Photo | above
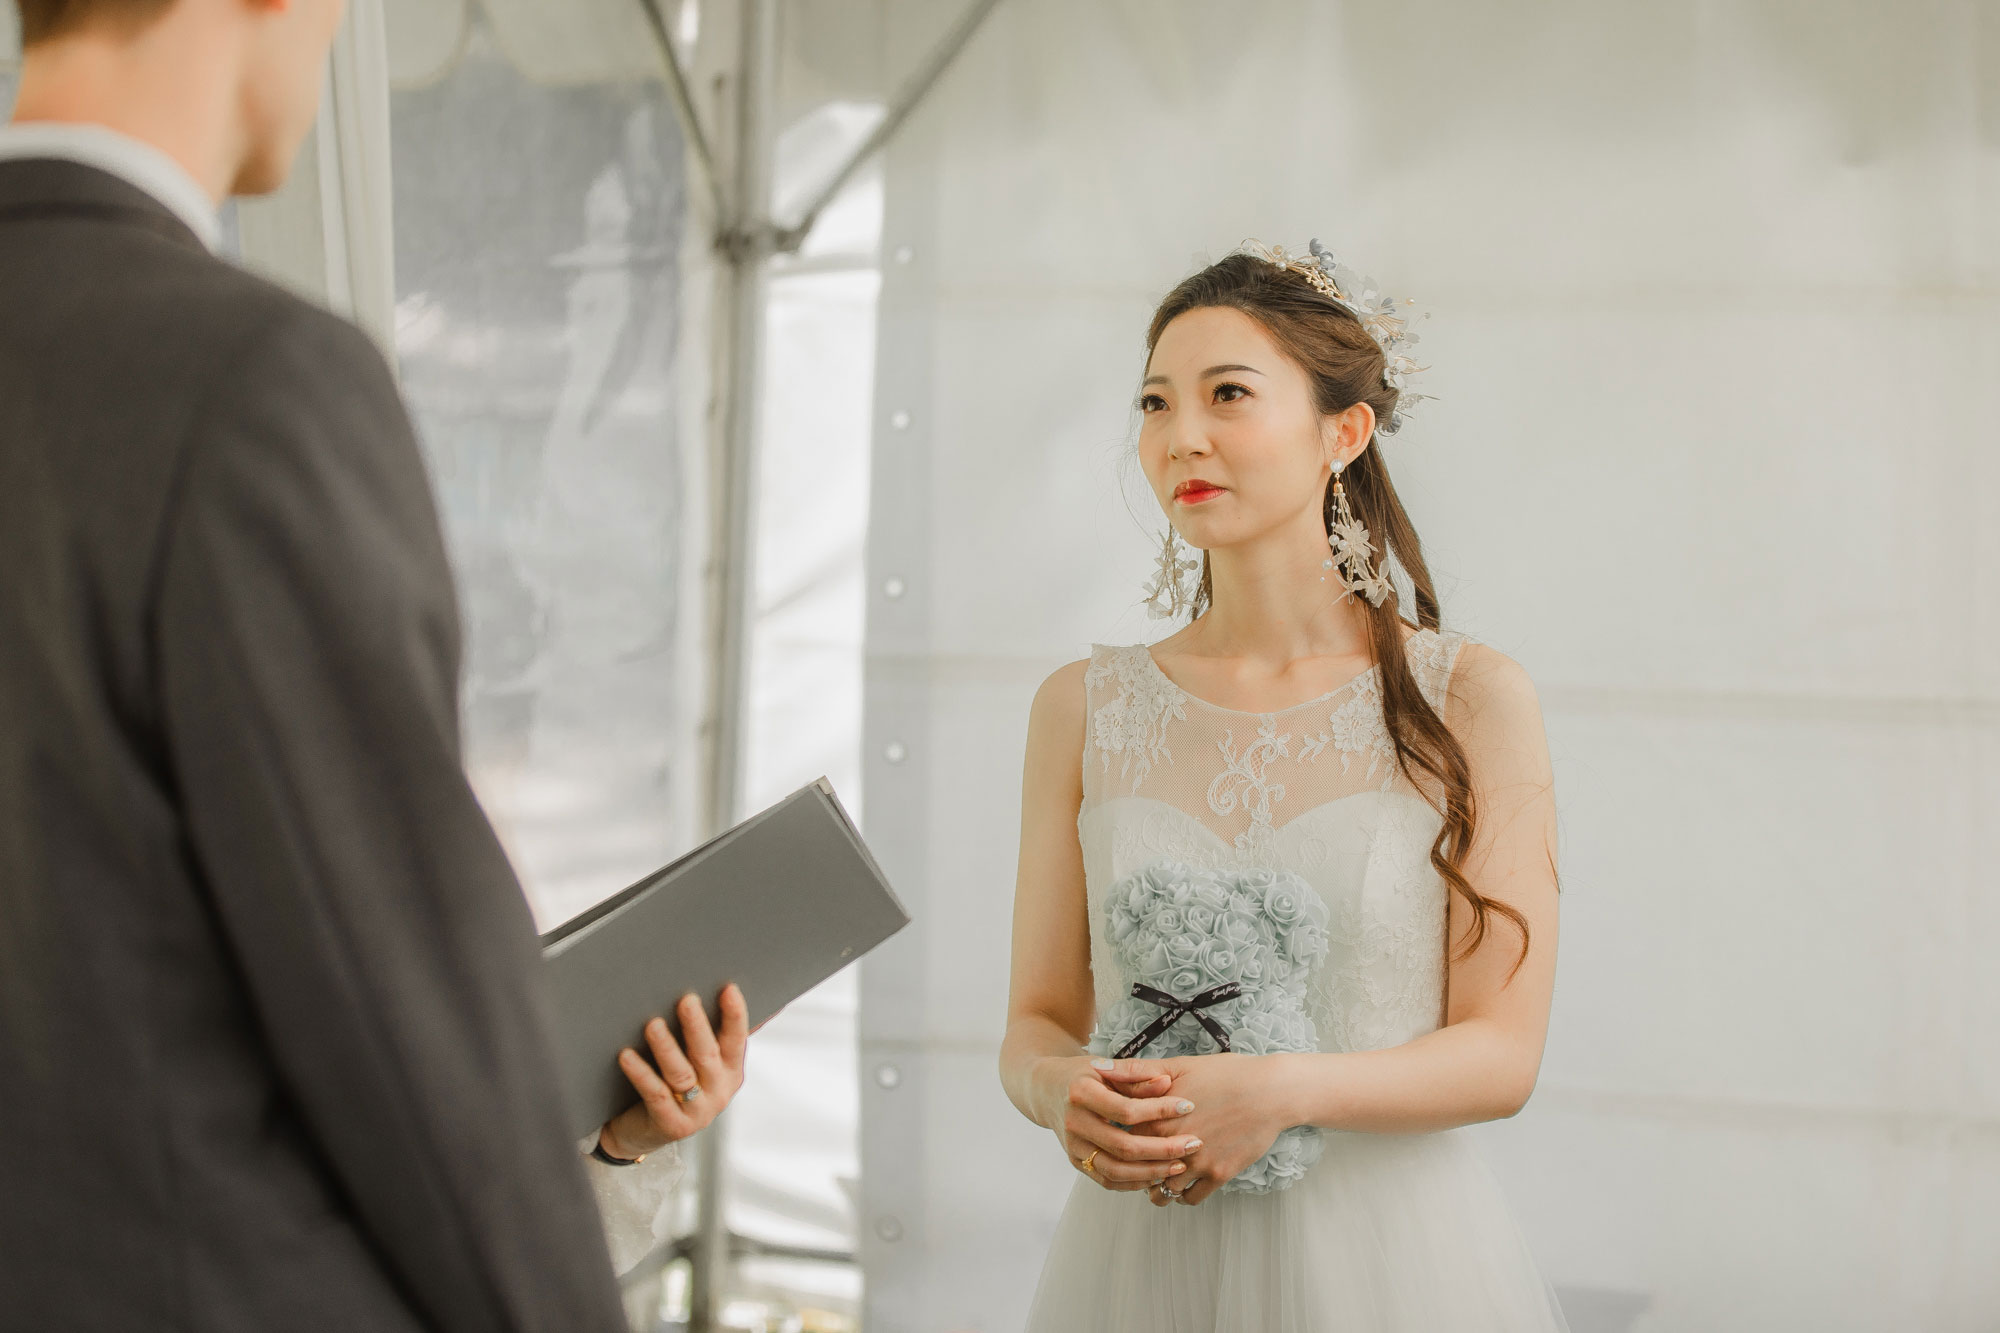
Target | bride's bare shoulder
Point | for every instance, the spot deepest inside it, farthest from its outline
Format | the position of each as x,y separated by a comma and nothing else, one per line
1491,699
1059,702
1481,667
1055,731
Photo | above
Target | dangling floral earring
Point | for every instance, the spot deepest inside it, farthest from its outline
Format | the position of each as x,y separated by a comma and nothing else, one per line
1348,537
1170,594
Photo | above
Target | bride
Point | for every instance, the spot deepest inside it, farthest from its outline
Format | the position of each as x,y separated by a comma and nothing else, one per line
1299,730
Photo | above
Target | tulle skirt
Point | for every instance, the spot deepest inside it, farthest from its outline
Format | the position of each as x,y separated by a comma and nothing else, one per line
1388,1233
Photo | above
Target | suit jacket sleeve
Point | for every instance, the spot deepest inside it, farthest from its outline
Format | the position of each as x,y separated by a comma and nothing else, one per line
307,647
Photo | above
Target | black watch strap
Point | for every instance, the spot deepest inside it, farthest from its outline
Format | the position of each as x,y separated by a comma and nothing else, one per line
597,1151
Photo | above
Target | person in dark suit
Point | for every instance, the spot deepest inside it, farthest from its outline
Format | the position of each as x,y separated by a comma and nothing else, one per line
273,1053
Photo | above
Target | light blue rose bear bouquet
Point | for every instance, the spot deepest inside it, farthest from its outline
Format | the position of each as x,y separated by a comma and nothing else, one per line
1219,961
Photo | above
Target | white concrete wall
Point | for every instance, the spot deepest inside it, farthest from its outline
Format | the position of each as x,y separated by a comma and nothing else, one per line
1716,335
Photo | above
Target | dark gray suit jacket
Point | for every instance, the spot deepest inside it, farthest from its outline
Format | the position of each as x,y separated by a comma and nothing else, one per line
273,1052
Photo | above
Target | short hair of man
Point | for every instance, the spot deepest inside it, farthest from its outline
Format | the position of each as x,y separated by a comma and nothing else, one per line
44,19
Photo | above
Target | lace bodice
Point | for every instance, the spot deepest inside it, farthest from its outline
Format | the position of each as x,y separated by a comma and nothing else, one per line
1313,788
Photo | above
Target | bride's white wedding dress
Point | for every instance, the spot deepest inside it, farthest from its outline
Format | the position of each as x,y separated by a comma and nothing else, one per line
1405,1233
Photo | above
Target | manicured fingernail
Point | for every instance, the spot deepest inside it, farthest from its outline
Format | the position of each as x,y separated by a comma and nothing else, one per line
1176,1168
1191,1145
1185,1107
1101,1063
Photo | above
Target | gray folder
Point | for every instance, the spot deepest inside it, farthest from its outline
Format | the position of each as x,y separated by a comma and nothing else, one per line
777,905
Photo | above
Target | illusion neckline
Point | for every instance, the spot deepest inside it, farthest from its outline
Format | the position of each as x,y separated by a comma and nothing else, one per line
1153,665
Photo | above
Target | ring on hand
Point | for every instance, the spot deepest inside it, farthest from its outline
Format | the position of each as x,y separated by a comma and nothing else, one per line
685,1097
1086,1162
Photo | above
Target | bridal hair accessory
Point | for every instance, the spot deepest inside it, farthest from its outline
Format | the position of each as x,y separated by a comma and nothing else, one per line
1176,578
1348,536
1219,961
1387,321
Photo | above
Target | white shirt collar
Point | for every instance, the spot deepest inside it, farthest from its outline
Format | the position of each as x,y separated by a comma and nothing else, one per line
131,160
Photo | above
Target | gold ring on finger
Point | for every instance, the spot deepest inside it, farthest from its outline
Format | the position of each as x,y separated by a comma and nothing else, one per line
1087,1161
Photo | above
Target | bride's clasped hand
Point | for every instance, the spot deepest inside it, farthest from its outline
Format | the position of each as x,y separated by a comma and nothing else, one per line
1179,1128
1097,1115
1237,1107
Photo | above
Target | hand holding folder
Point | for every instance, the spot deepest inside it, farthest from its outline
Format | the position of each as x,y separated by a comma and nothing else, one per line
681,1091
777,904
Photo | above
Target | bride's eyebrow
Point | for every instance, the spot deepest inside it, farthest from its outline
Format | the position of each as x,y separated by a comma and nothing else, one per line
1211,371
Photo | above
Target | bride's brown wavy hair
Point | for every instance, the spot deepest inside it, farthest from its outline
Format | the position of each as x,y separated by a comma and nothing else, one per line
1345,365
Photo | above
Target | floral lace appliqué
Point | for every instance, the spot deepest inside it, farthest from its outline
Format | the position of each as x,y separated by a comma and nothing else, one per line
1134,724
1243,779
1431,660
1168,835
1355,727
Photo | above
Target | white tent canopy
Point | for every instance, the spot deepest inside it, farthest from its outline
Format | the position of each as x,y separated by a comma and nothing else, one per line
577,41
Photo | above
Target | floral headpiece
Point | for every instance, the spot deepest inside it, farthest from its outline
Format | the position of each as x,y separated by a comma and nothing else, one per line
1387,322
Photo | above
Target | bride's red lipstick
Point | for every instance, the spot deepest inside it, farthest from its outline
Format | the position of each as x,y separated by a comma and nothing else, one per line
1194,491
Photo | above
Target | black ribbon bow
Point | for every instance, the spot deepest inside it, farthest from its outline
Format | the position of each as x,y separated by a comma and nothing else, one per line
1173,1008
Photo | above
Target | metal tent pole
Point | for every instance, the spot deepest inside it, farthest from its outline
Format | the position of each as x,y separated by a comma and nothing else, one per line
906,100
697,137
746,238
744,242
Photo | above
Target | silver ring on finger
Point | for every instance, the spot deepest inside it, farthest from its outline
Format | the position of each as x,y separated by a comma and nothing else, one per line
690,1095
